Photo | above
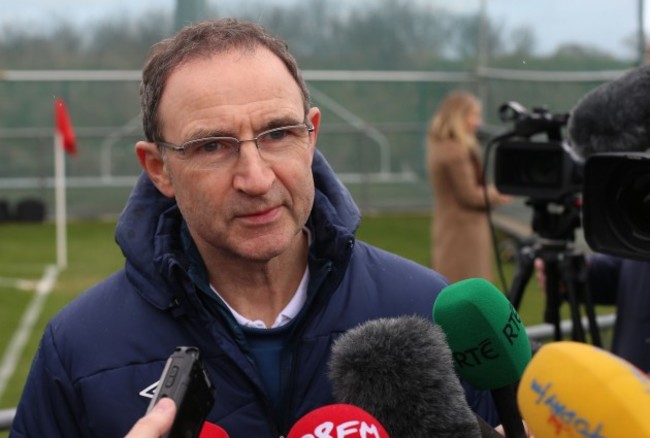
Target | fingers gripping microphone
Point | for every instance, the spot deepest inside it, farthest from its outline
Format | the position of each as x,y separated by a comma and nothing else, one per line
488,341
614,117
400,370
574,389
338,421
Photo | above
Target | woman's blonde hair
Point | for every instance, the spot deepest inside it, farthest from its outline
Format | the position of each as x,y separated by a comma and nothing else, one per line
449,122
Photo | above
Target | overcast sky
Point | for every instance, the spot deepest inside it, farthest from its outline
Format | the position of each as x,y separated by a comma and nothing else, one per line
602,23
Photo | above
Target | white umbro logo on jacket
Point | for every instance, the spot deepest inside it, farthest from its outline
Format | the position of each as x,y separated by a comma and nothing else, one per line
149,391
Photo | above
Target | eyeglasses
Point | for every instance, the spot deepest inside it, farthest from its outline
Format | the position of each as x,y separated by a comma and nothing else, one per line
212,152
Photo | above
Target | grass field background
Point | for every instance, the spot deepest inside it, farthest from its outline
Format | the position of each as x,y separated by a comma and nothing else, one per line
26,250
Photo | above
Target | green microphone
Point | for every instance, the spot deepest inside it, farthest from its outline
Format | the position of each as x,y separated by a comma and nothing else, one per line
488,341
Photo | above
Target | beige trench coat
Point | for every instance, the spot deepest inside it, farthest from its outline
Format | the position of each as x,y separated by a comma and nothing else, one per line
461,245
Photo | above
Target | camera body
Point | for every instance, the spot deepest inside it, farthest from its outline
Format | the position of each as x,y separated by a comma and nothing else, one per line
614,187
540,170
185,381
533,160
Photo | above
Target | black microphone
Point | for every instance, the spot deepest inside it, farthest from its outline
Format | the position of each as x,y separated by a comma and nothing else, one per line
613,117
400,370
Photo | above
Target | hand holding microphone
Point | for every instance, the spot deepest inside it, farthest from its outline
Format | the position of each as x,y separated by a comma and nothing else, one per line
157,422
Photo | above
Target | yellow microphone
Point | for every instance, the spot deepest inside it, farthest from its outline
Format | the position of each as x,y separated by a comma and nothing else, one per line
572,389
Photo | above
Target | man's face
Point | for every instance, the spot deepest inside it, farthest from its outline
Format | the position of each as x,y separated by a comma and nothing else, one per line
254,207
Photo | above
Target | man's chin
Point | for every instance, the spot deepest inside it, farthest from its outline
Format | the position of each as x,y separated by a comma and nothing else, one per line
262,250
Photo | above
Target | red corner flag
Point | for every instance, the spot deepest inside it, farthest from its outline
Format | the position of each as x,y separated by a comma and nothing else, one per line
64,127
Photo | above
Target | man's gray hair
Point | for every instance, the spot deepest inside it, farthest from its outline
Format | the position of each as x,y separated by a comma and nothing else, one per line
202,40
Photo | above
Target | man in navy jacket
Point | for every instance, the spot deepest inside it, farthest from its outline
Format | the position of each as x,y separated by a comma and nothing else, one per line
239,239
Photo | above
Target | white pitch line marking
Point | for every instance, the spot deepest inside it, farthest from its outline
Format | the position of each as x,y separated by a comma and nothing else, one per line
24,331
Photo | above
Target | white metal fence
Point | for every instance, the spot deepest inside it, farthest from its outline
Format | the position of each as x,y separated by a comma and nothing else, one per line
376,150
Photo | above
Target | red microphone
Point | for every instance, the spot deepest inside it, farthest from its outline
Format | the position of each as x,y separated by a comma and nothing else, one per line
338,421
210,430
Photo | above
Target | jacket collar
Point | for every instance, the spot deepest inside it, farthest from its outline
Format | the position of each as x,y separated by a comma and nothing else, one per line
149,233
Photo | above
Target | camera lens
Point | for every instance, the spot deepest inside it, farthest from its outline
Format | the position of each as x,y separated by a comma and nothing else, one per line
634,200
616,204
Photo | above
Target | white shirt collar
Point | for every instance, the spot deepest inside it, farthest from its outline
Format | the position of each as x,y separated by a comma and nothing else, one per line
290,310
286,315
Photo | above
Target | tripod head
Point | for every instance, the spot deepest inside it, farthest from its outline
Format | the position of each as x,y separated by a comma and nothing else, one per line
556,220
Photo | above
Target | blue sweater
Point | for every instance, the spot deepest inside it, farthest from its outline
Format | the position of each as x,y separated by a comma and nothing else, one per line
101,356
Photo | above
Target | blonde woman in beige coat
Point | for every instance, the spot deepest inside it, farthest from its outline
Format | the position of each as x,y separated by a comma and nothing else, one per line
462,246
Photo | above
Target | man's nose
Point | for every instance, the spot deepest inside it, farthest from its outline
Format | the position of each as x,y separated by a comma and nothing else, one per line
253,175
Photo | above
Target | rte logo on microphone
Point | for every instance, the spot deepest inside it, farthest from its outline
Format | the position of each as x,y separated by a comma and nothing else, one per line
513,326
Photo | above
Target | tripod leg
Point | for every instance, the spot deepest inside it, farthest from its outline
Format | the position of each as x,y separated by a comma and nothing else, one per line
552,310
590,311
566,272
523,272
579,266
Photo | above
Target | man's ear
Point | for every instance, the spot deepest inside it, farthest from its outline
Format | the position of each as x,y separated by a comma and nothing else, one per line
314,118
154,165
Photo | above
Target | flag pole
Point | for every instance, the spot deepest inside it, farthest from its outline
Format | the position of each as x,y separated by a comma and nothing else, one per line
64,143
60,202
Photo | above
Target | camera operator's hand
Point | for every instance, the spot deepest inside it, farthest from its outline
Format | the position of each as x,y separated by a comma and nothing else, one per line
540,274
496,197
155,423
504,199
